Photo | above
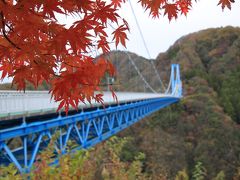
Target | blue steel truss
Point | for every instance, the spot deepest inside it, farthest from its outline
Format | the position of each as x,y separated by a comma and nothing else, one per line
85,129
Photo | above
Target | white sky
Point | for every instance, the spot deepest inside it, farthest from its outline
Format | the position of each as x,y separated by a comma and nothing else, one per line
159,34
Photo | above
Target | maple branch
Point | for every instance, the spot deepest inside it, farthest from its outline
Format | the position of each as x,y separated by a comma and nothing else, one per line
4,31
9,27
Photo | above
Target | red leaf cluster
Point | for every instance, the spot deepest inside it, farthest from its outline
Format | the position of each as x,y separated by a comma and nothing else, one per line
176,7
36,47
226,3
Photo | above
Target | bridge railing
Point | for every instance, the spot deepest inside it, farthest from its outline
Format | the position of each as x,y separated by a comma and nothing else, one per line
15,104
18,103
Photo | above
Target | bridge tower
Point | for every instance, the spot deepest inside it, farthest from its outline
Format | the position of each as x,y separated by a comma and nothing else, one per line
175,81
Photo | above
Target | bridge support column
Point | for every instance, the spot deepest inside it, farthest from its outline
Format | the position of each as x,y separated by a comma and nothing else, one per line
176,83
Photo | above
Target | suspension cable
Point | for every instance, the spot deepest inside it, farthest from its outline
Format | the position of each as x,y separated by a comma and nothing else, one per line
136,68
139,73
145,45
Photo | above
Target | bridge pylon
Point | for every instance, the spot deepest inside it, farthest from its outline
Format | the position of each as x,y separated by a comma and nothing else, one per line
175,81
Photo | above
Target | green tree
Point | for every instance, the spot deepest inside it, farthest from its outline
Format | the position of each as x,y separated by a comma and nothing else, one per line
199,172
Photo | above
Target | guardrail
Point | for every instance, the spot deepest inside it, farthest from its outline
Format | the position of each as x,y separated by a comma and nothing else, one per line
18,104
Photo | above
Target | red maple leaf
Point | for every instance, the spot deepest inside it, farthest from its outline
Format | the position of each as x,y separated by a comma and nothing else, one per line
120,34
184,6
226,3
117,3
171,11
102,43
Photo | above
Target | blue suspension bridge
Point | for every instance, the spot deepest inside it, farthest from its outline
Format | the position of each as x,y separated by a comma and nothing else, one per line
89,126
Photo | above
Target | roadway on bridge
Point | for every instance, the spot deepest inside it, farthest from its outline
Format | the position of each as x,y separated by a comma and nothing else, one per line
18,104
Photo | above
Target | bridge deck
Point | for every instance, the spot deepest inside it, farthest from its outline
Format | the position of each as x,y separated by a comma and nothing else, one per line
15,104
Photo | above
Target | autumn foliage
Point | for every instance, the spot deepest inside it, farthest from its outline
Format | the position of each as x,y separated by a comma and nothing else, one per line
35,46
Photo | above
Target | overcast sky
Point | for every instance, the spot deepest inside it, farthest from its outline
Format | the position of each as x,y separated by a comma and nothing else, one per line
160,34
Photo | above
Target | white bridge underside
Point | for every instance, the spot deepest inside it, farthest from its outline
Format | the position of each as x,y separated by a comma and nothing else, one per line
15,103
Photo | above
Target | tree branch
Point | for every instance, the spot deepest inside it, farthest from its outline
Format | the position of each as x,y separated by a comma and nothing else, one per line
4,32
